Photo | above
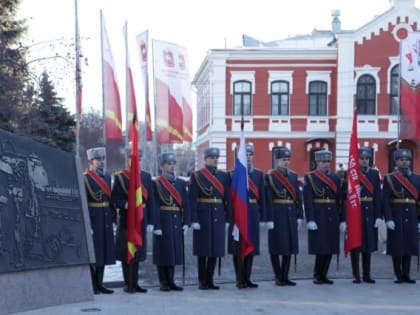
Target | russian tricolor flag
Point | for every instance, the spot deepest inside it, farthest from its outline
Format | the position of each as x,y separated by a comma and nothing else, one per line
240,202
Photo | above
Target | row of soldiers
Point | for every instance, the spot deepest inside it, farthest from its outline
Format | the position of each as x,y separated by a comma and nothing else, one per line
171,207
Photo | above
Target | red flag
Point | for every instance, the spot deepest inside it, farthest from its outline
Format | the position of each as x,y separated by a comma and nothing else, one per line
111,94
353,237
410,87
135,197
143,48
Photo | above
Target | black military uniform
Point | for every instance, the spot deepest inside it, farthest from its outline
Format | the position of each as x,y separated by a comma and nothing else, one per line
171,199
98,188
323,198
401,191
210,210
257,210
285,213
120,201
370,197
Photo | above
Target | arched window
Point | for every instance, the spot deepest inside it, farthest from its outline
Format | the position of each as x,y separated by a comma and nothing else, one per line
279,98
366,95
242,91
394,88
317,98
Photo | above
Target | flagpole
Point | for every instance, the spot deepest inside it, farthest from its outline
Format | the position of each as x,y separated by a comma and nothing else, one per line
154,135
78,77
103,80
399,100
127,95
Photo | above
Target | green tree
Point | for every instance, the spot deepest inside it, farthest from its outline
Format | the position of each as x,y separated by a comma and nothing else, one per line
50,122
14,100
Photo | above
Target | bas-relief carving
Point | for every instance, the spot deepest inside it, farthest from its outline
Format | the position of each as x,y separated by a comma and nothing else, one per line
41,218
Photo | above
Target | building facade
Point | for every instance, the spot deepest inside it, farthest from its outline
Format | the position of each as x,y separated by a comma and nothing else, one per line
300,92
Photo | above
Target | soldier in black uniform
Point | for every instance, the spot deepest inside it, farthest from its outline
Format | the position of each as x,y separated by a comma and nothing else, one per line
170,194
210,211
120,201
285,213
98,188
323,197
370,197
256,192
401,191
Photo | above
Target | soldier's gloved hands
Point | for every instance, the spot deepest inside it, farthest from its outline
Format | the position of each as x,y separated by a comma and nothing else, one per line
299,223
343,227
185,229
270,225
126,205
262,224
150,228
390,225
378,222
158,232
418,226
312,226
195,226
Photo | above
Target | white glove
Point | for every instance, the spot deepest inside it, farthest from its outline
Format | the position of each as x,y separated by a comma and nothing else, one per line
149,228
195,226
299,223
390,225
378,222
126,205
262,224
185,229
343,227
158,232
418,225
312,226
270,225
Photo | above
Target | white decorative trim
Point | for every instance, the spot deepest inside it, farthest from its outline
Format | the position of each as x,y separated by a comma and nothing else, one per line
324,76
280,75
241,76
404,26
393,61
367,69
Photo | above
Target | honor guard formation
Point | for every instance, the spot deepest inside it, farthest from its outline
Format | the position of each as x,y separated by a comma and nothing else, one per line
170,206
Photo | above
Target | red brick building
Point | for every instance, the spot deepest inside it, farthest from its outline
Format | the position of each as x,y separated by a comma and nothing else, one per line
300,92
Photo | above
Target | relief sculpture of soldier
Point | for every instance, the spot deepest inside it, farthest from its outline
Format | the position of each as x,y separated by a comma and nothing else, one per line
120,201
285,213
370,198
401,191
243,265
323,196
98,188
210,210
170,194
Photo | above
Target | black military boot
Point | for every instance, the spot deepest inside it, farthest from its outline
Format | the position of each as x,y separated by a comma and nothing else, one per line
138,288
285,270
325,267
396,263
318,269
163,280
354,256
100,279
275,263
238,265
406,263
202,273
366,268
93,277
248,270
170,272
211,265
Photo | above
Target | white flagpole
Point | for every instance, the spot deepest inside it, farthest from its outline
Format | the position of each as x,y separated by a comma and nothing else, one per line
78,77
127,93
103,80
